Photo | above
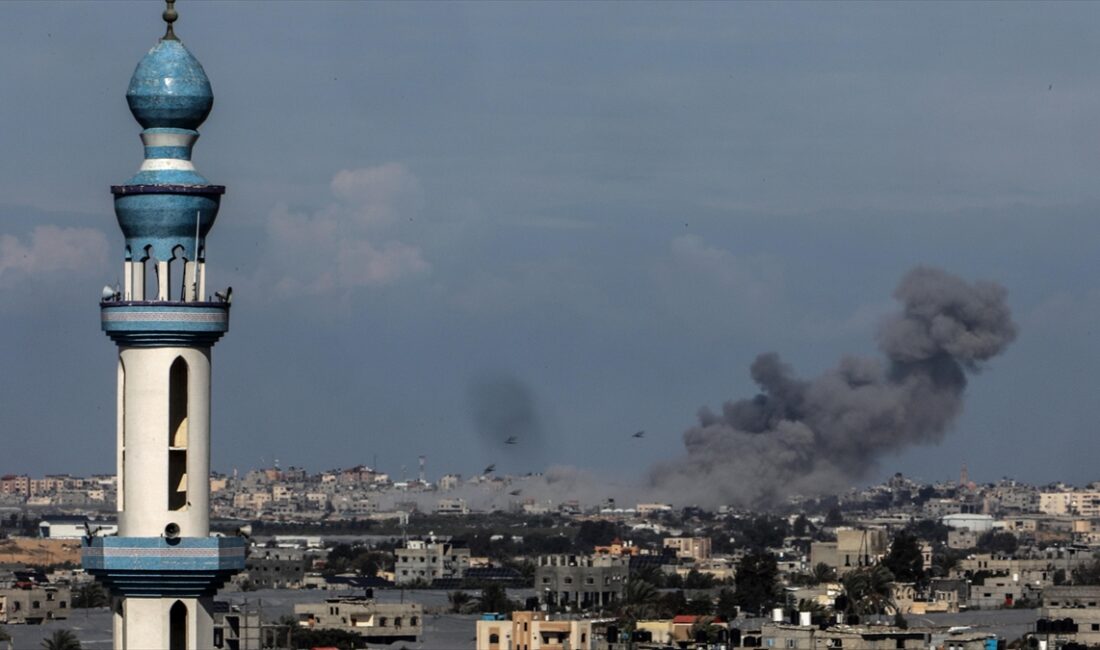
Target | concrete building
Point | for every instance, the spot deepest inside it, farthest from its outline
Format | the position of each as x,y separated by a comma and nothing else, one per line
424,561
581,580
534,631
689,548
277,568
34,604
1069,614
373,622
164,567
853,548
1083,503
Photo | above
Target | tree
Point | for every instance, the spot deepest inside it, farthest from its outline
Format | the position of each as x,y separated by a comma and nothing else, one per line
596,533
460,601
89,595
834,517
639,599
1087,574
868,590
700,605
494,598
905,560
800,526
696,580
755,582
823,573
994,541
726,607
61,640
672,603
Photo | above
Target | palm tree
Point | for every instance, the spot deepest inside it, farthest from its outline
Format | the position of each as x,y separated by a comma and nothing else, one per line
639,599
868,590
61,640
460,601
823,573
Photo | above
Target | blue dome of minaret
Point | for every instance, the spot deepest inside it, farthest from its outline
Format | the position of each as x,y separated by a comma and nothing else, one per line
167,205
169,88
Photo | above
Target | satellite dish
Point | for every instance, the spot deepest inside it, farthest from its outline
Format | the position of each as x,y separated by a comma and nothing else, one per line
108,292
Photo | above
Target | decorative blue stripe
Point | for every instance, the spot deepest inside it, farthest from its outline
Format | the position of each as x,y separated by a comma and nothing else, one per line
181,153
154,567
164,324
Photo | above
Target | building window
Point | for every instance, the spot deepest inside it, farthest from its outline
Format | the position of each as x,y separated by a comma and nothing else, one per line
494,639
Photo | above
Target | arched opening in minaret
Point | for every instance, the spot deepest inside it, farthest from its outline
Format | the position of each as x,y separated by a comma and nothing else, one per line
177,277
177,626
177,435
147,270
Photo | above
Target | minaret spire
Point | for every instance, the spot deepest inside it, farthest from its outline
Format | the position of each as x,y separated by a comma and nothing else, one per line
170,15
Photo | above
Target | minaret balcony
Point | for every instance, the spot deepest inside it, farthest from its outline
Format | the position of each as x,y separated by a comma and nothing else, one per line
133,323
156,567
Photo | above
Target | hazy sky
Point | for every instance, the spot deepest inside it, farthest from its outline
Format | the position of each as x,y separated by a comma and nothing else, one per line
607,209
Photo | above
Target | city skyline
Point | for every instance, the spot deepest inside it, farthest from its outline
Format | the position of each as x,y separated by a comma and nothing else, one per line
598,215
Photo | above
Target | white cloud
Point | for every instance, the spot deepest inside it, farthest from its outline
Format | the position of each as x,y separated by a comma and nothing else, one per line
49,250
341,246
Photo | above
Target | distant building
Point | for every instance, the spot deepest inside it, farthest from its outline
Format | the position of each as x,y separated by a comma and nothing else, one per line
374,622
689,548
581,580
277,568
425,561
534,630
1069,614
34,604
853,548
74,527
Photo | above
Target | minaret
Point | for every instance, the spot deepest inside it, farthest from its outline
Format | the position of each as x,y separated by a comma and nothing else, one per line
164,568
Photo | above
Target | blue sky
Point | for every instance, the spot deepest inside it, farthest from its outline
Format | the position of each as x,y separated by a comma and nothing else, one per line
615,206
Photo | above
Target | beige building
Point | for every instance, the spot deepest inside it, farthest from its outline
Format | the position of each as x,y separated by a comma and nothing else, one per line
1085,504
535,631
424,561
693,548
34,604
373,622
853,548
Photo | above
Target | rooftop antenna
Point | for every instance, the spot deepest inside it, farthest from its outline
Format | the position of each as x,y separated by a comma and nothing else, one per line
170,15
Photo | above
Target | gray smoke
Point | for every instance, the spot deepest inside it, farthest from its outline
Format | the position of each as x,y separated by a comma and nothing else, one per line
503,406
815,436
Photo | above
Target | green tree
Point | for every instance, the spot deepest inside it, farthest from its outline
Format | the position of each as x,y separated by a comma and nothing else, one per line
834,517
89,595
801,526
596,533
700,605
755,582
494,598
1087,574
726,607
640,599
61,640
672,603
696,580
905,560
823,573
995,541
868,590
460,601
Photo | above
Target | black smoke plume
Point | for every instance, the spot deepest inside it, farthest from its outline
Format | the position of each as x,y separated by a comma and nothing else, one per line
802,436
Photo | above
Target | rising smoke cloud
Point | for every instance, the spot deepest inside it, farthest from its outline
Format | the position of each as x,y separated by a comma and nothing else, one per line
813,436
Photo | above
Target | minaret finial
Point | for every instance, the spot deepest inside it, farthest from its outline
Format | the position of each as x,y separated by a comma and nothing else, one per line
170,15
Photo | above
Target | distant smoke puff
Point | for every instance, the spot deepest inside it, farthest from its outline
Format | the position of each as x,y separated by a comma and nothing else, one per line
503,406
814,436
